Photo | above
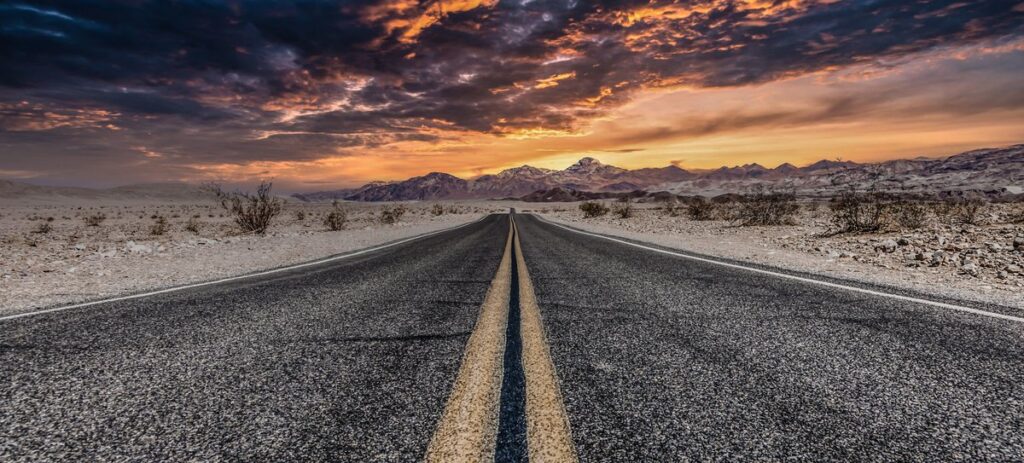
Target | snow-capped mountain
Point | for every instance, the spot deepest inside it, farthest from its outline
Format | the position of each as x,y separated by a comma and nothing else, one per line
992,170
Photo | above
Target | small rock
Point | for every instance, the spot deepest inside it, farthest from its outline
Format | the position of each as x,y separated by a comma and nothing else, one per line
969,268
1002,275
1018,243
887,246
903,241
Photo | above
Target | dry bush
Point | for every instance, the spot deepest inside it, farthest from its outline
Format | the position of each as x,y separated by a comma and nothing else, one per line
192,226
672,206
910,215
159,226
437,209
969,211
94,220
766,207
624,210
854,212
390,215
337,218
43,228
701,209
593,209
300,215
253,212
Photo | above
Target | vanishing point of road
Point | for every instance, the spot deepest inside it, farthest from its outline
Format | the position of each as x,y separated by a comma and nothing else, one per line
515,339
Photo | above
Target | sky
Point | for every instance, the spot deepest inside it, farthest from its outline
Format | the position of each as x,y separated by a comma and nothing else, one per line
329,94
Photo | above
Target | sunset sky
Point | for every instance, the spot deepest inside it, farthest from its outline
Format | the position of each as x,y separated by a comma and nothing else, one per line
329,94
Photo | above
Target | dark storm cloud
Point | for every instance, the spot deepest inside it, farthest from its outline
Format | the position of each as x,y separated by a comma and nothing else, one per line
262,80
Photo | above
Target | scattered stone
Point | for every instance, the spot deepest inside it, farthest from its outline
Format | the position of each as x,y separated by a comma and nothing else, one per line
887,246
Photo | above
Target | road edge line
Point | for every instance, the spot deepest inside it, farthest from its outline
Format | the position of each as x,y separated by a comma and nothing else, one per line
549,434
797,278
272,271
467,429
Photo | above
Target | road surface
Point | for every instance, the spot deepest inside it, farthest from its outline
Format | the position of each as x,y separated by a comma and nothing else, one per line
615,353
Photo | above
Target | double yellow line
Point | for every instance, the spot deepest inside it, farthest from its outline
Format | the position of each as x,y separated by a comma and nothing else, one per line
468,427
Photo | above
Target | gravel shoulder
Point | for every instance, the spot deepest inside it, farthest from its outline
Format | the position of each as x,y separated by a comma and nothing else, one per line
975,265
75,262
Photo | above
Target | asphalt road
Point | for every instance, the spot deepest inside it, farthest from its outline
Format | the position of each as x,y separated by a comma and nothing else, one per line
666,359
659,359
348,361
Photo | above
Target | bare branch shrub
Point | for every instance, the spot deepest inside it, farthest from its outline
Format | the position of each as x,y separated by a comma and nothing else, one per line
391,215
159,226
672,206
94,220
337,218
192,226
43,228
253,212
593,209
300,215
765,207
624,209
437,209
854,212
910,215
969,211
701,209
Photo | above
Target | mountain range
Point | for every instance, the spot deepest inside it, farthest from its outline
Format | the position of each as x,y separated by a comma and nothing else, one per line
996,171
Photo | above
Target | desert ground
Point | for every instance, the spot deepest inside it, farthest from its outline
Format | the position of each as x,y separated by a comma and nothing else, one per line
60,252
57,254
982,262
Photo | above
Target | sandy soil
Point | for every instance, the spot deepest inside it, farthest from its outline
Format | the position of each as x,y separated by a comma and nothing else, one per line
74,262
973,263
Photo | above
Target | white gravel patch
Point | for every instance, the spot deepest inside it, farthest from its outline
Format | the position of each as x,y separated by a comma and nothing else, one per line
978,264
74,262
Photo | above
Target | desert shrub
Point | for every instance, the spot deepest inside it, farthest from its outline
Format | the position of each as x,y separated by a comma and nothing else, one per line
337,218
43,228
300,215
765,207
593,209
437,209
624,210
390,215
672,206
253,212
94,220
969,211
701,209
910,215
159,226
192,226
854,212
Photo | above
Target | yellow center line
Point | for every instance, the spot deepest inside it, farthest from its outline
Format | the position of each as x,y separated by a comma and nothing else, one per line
469,423
547,424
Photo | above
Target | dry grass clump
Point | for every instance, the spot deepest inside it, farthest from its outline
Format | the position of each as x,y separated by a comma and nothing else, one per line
765,207
43,228
159,226
337,218
253,212
624,210
94,220
969,211
701,209
854,212
593,209
391,215
192,226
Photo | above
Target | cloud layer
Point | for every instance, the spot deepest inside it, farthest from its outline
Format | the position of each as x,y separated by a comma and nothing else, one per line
200,83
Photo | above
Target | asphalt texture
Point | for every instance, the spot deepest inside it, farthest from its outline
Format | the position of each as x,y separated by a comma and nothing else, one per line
666,359
347,361
659,359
